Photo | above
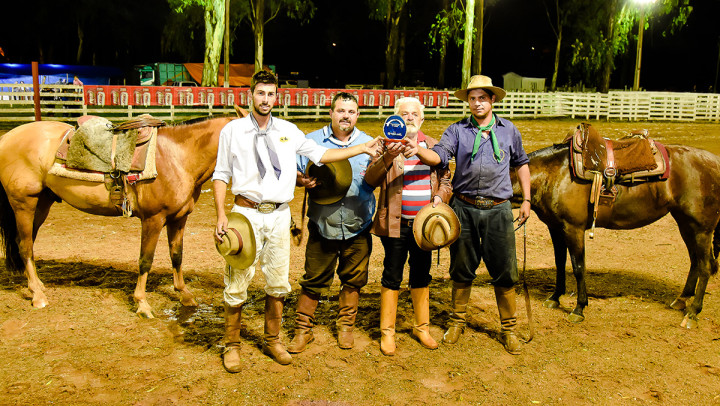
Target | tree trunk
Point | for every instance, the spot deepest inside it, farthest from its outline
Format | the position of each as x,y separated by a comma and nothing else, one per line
401,48
479,27
214,30
443,52
610,51
259,33
81,38
392,25
467,43
553,85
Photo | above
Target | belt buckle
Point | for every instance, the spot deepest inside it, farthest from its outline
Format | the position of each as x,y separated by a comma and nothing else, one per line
484,203
266,207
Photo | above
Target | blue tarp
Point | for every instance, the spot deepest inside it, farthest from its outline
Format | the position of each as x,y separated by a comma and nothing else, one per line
54,73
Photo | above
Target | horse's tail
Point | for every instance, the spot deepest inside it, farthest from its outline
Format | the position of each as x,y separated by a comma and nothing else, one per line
8,234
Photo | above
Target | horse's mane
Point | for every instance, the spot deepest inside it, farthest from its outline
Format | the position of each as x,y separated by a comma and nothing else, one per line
197,120
551,150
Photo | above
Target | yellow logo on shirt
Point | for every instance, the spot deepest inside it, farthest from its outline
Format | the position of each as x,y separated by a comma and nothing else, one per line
283,139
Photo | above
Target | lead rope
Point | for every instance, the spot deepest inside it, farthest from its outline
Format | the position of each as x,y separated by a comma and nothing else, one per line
528,308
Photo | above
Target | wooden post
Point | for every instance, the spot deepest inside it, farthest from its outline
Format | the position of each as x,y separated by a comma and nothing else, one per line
36,90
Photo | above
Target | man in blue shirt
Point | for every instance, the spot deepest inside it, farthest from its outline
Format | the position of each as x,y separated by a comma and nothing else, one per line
339,233
485,147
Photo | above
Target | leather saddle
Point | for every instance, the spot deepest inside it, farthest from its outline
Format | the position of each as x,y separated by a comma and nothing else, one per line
117,155
631,160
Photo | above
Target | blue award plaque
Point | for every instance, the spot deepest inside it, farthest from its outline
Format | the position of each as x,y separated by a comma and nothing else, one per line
394,129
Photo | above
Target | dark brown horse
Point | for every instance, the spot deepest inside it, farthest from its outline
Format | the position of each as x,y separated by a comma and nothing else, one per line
690,195
185,157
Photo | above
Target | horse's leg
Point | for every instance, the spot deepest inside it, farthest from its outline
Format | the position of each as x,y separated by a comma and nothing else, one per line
560,249
175,232
575,240
46,200
25,219
687,232
700,249
148,242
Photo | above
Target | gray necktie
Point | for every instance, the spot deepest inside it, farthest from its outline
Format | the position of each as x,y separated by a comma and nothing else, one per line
270,148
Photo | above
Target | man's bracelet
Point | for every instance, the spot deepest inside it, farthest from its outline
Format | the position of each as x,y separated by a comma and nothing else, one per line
527,200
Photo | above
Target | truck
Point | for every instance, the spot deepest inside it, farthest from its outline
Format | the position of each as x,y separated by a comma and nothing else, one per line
162,74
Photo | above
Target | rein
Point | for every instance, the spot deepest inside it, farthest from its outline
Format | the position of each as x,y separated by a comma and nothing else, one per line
526,293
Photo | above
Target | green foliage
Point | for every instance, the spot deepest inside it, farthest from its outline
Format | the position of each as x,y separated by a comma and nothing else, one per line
449,26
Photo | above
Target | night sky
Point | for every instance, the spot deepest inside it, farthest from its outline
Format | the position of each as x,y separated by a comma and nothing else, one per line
518,38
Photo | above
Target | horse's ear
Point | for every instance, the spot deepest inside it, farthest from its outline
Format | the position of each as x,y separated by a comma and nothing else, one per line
241,112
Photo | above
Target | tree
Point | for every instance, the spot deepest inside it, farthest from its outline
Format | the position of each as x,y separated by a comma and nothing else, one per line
254,12
558,14
390,11
448,26
468,41
479,28
214,18
602,30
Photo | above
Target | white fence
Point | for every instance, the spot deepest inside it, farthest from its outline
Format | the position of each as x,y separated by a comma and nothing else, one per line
65,102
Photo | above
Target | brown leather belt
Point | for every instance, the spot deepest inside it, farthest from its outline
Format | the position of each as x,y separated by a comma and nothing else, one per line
479,201
262,207
407,222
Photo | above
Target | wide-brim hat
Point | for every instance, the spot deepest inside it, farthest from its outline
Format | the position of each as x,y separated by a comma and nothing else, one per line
335,179
238,244
481,82
436,227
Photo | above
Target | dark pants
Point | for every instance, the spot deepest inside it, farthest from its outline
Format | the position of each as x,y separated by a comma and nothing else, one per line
351,257
486,234
396,253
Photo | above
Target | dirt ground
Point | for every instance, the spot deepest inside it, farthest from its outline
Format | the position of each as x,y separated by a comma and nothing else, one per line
89,347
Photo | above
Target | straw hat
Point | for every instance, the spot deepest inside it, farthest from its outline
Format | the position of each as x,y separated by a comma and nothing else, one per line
238,244
481,82
335,179
435,227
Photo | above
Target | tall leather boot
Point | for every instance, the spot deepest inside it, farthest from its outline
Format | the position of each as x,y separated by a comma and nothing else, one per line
460,298
349,298
231,354
304,322
388,313
272,345
505,298
421,307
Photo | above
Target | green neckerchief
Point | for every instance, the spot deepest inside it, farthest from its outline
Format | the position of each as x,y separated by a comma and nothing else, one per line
478,137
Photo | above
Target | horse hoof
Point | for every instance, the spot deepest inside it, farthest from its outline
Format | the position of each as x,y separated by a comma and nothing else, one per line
551,304
39,302
145,311
576,318
678,304
689,322
189,302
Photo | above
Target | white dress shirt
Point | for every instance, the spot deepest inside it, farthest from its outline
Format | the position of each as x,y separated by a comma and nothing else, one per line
236,159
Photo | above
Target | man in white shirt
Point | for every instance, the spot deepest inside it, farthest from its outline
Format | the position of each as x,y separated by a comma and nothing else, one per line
258,153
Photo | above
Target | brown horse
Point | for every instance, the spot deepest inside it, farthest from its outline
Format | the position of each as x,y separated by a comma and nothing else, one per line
185,156
690,195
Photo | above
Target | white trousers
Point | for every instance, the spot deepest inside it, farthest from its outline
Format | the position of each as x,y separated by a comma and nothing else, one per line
272,239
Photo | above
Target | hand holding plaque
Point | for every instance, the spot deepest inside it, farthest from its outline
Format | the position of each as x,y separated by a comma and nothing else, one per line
394,130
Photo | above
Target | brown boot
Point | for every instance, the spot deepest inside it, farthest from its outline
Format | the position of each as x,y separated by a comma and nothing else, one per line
272,345
349,298
388,313
505,298
304,321
421,307
231,354
460,299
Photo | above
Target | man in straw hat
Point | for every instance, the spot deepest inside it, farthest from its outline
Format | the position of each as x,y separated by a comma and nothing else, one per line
338,231
485,147
406,185
258,153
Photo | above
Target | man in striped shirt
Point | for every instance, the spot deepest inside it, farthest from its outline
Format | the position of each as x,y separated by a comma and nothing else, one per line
406,185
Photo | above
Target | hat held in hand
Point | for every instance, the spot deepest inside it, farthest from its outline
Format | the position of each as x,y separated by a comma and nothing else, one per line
238,244
334,178
435,227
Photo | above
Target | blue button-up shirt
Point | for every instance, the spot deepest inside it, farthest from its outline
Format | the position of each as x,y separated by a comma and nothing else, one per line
484,175
353,213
